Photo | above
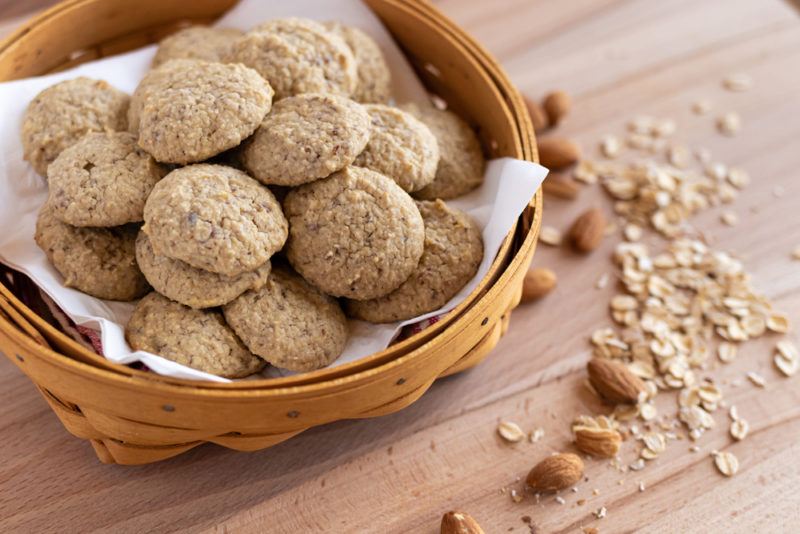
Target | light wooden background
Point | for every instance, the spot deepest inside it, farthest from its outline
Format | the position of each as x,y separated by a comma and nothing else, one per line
401,472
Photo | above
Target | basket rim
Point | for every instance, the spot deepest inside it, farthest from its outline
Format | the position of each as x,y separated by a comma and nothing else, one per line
395,354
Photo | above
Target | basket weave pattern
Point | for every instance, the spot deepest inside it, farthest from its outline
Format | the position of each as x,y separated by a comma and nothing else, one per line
134,417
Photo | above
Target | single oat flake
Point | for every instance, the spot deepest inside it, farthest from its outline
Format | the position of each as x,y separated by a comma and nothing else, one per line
729,124
551,236
510,431
737,82
726,463
739,429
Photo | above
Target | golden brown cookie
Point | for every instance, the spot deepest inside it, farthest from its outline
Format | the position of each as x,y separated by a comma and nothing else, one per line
305,138
196,42
400,147
289,323
211,109
102,180
98,261
189,285
214,218
63,113
374,76
461,162
452,255
297,56
355,234
199,339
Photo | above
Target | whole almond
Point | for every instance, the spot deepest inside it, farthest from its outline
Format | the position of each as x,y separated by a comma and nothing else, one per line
538,115
557,105
558,152
600,442
459,523
556,472
588,230
561,186
538,283
613,381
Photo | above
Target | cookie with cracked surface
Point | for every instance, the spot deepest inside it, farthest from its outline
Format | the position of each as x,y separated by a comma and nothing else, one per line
374,76
461,161
98,261
215,107
102,180
196,42
355,234
214,218
199,339
289,323
63,113
400,147
305,138
156,79
297,56
452,255
189,285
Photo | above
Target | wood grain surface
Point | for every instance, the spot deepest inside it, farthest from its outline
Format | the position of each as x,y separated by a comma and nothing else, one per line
401,472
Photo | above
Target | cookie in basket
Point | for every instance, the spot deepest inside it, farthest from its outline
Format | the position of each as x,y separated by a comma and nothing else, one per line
196,42
156,79
98,261
298,56
102,180
461,162
400,147
374,76
199,339
189,285
214,218
289,323
202,110
305,138
355,234
453,253
63,113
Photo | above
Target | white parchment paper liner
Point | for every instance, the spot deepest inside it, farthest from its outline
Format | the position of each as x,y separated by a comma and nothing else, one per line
495,206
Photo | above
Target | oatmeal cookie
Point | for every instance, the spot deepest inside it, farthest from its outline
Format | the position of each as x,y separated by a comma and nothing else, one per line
400,147
289,323
453,252
305,138
214,218
297,56
155,80
374,76
199,339
102,180
189,285
355,234
461,162
196,42
98,261
63,113
192,118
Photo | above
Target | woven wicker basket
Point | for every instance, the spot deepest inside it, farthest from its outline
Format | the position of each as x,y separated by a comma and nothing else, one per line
134,417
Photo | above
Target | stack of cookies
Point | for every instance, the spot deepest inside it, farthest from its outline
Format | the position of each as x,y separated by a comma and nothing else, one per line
255,190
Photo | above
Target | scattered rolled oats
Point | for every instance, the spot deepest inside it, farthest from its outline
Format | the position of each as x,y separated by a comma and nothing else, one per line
786,358
679,155
733,413
756,379
602,282
729,218
777,322
726,463
536,434
726,352
510,431
739,429
701,107
737,82
632,232
610,146
729,124
551,236
641,487
601,512
516,496
560,500
738,177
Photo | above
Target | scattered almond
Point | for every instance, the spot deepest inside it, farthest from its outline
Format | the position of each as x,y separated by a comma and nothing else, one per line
614,381
557,105
588,230
459,523
556,472
561,186
600,442
538,283
538,115
558,152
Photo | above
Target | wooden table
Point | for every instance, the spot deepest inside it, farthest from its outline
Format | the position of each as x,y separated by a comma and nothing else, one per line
401,472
